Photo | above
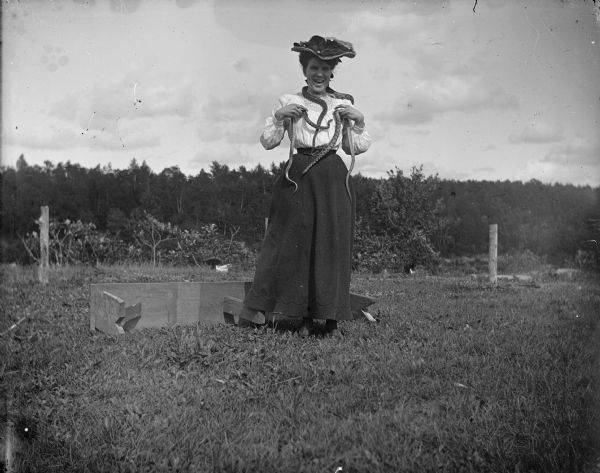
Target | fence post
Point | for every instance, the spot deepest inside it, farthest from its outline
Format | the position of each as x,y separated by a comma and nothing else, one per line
44,223
266,225
493,257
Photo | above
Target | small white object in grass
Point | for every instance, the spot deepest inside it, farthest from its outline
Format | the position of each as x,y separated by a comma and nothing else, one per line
460,385
338,469
13,326
222,268
369,317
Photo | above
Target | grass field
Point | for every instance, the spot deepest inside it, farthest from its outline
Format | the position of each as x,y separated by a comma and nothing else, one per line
457,375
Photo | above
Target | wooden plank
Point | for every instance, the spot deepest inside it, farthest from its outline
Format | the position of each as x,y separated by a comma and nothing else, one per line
147,305
132,316
112,316
232,306
234,312
358,303
112,308
172,303
158,301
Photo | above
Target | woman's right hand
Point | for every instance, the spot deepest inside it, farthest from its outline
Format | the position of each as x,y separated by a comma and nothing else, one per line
292,111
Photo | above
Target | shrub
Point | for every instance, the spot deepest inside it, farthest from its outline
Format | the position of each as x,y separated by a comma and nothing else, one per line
405,218
144,239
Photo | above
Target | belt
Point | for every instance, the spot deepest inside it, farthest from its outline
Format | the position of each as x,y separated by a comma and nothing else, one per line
314,151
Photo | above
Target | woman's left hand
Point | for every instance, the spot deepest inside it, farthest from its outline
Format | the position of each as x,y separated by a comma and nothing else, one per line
351,113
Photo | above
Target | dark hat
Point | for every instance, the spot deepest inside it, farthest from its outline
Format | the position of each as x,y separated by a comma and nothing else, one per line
325,48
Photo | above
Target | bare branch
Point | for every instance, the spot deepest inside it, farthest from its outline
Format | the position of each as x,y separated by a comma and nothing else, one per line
33,257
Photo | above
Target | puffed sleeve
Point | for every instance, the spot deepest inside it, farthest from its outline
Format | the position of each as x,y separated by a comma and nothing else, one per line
361,140
274,129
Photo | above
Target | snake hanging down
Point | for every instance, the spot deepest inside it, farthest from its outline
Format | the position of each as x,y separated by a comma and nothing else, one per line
322,150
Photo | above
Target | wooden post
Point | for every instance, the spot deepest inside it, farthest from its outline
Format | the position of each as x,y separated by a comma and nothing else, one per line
493,258
266,225
9,438
44,223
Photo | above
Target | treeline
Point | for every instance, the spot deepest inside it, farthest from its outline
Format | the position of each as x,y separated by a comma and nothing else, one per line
422,213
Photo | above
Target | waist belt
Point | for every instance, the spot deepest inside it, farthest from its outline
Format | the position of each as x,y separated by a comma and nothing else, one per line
314,151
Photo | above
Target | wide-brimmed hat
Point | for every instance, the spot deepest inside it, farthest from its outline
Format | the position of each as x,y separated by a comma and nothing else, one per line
325,48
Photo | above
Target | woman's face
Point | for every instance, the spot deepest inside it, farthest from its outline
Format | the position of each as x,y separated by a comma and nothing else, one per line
318,74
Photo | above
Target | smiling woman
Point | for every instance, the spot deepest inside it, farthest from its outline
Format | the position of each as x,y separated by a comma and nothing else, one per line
303,271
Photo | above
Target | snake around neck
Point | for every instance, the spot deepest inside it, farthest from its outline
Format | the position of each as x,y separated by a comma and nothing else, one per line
322,150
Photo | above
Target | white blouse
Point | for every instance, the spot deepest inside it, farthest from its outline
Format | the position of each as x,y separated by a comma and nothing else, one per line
274,129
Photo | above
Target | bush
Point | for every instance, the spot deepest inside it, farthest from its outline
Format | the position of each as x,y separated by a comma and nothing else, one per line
405,218
521,262
144,239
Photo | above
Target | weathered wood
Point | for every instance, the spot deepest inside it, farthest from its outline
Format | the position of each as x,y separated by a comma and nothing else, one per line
112,316
169,303
132,316
235,313
358,303
44,223
232,306
113,306
493,256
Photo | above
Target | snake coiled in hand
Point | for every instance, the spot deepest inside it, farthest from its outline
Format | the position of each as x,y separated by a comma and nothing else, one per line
322,150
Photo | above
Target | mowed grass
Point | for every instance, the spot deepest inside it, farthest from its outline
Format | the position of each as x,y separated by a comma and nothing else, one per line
457,375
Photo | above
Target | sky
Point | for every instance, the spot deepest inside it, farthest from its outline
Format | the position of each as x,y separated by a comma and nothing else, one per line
498,90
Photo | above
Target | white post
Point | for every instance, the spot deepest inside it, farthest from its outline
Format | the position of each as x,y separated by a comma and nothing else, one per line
493,258
266,225
44,222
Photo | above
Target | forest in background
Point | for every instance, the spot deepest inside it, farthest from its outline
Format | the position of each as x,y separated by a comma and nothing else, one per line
405,219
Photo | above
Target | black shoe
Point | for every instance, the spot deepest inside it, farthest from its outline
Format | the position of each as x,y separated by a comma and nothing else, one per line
331,329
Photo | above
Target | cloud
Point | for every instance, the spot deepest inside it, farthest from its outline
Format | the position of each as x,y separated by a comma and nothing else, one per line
124,6
449,94
124,98
184,3
322,17
577,151
243,65
123,113
551,172
225,153
394,24
538,132
575,161
485,169
236,118
47,137
127,135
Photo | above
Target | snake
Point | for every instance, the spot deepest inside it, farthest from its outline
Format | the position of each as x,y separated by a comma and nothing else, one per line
324,149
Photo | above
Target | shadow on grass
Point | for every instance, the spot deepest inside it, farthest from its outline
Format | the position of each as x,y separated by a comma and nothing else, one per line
287,325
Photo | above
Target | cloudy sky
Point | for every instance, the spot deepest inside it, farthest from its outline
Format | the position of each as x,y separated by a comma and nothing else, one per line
510,91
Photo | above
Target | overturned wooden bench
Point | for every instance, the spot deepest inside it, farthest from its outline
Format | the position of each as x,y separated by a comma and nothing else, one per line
116,308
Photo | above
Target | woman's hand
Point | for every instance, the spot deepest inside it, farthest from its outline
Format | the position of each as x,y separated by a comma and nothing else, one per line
351,113
292,111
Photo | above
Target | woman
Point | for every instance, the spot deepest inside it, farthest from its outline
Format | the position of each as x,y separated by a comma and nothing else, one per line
303,271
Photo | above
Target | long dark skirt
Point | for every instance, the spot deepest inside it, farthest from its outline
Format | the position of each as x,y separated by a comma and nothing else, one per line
304,266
